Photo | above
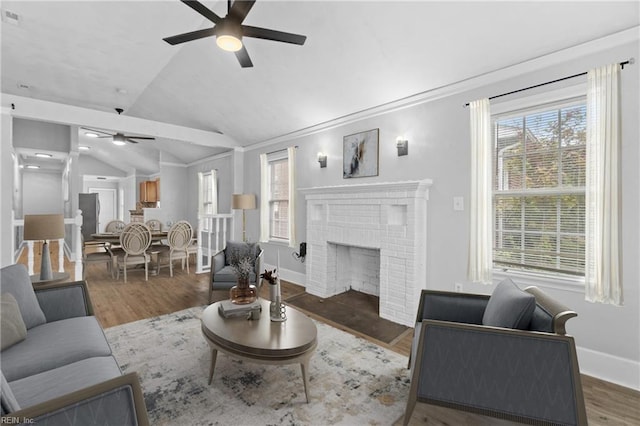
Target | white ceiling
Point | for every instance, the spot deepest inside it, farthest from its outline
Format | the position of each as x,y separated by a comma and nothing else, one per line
358,55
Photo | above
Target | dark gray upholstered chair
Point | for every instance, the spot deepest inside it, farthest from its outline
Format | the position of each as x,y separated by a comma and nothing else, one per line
528,373
223,277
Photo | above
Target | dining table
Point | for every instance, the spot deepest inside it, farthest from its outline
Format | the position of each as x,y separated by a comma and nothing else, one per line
114,237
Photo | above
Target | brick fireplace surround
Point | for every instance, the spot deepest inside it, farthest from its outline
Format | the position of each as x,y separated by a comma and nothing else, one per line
389,217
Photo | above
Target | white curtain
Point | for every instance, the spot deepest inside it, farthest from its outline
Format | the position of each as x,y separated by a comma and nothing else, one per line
264,198
602,271
291,154
480,238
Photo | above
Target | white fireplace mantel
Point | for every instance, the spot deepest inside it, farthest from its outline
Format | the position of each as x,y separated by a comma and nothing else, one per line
390,217
421,186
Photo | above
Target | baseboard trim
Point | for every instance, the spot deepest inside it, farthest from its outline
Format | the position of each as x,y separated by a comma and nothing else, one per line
621,371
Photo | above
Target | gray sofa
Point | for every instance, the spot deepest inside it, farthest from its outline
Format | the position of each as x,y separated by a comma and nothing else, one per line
62,372
506,355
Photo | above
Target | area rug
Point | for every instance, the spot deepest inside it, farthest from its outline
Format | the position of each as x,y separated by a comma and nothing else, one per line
351,381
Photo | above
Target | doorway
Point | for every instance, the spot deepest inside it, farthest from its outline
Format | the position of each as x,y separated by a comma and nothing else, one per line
108,206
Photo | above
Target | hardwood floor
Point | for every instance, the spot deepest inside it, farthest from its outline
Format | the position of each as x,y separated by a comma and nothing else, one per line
117,303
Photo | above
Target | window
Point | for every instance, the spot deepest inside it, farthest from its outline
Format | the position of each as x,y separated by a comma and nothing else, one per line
278,198
208,199
539,162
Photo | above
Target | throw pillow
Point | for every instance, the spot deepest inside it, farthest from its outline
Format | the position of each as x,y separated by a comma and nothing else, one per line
15,280
509,307
12,326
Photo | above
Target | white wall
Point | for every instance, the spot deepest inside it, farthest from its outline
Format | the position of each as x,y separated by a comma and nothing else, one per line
41,135
173,194
42,193
89,165
438,134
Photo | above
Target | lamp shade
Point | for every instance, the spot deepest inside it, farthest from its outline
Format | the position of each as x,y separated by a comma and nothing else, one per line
43,227
243,201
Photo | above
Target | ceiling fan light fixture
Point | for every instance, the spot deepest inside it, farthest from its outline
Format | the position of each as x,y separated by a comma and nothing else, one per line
228,42
119,140
228,36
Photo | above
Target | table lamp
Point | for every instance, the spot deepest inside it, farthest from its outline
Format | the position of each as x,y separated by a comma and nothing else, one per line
44,227
243,202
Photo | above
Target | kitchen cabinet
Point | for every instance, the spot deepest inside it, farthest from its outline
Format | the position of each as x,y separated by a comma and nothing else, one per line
150,191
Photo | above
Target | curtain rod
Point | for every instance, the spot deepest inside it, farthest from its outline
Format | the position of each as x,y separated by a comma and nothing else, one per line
280,150
622,64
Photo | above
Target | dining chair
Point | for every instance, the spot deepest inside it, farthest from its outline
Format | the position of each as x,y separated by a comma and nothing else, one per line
179,238
135,239
115,226
94,252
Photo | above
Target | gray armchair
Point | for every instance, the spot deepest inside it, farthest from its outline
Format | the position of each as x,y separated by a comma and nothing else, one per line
223,277
528,373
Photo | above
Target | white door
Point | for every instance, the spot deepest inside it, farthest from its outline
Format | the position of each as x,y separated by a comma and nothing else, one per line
108,205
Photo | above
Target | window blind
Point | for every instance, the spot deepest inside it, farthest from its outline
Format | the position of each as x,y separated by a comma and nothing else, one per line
539,190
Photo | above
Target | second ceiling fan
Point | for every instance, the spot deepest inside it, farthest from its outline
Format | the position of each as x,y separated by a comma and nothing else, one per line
119,138
229,30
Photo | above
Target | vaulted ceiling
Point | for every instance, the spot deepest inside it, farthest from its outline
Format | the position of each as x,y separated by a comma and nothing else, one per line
359,54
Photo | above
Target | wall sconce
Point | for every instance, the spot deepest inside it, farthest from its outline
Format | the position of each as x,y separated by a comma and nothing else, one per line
322,159
403,146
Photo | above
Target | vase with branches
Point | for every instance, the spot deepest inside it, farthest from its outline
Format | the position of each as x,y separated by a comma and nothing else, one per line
243,293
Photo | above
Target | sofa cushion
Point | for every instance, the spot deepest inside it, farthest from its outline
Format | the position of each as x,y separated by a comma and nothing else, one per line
9,403
509,307
13,329
15,280
63,380
53,345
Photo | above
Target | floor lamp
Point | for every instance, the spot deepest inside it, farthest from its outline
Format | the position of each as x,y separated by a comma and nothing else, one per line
243,202
44,227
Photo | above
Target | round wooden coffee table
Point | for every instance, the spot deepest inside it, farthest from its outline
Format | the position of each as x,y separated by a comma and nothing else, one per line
261,341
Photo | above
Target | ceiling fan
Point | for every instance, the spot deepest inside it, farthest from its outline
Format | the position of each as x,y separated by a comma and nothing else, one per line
118,138
229,30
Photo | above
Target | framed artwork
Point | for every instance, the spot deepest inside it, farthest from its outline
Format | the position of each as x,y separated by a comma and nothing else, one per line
360,154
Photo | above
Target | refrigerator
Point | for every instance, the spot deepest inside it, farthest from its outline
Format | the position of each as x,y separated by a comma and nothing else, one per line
90,206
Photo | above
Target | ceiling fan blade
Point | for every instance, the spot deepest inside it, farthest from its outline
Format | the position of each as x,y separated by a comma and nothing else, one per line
274,35
96,131
193,35
243,58
140,137
240,9
131,140
100,137
202,10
